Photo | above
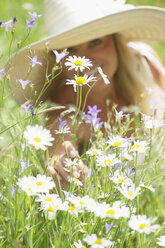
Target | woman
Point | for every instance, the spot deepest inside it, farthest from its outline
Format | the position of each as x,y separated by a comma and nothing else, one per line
108,33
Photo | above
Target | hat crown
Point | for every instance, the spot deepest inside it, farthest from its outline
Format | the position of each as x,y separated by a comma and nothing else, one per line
62,15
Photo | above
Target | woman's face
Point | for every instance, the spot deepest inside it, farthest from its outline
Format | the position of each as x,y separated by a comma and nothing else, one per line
102,52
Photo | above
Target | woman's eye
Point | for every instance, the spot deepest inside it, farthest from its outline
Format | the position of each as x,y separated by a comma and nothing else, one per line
95,42
71,50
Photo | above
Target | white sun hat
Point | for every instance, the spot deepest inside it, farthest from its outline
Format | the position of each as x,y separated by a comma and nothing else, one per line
72,22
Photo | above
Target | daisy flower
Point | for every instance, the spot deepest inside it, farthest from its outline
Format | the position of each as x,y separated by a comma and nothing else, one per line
76,181
80,81
116,211
120,178
93,151
141,224
140,146
161,241
27,184
51,209
48,199
79,244
104,77
38,136
125,155
97,242
63,128
34,185
149,124
71,162
129,191
78,63
103,160
43,184
147,186
117,141
80,202
130,109
73,209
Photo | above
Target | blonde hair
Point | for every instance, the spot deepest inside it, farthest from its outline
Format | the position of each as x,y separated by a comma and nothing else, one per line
134,75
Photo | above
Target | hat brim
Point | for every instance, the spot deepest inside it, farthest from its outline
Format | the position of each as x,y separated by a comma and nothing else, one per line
140,23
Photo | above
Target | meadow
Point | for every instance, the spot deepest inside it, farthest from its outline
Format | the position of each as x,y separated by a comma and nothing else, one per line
119,204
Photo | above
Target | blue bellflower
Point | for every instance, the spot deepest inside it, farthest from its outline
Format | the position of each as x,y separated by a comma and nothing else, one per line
24,83
59,56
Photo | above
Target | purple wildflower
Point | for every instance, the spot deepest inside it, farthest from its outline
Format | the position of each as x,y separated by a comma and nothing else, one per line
14,20
1,23
149,90
7,25
27,107
129,170
34,16
59,56
62,123
155,111
13,189
91,117
30,23
24,83
89,172
93,110
23,146
32,109
120,115
108,227
34,61
23,165
1,72
152,103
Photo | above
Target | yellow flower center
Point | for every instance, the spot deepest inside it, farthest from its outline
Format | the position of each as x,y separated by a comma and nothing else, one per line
146,186
39,183
77,180
80,80
29,189
94,153
130,108
135,146
81,203
78,62
71,208
107,162
98,241
121,180
48,199
130,193
110,212
50,209
143,226
117,143
56,206
36,139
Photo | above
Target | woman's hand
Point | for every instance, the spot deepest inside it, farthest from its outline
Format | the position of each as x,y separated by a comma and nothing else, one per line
62,174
